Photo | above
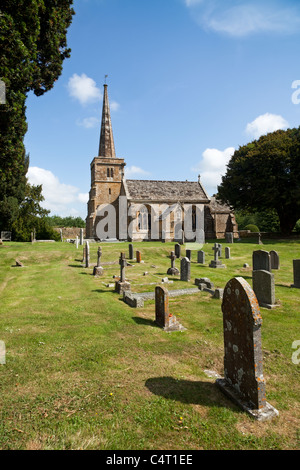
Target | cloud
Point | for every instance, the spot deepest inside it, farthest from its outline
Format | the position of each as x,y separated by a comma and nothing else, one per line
236,19
60,198
135,170
212,167
89,122
84,89
266,123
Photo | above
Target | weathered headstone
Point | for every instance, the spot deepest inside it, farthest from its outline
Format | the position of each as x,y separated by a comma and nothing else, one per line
185,269
130,249
188,254
263,284
259,242
201,257
229,237
61,234
261,260
219,245
87,255
122,285
173,271
98,270
216,263
296,270
227,252
177,250
81,236
163,317
274,259
243,378
77,242
138,257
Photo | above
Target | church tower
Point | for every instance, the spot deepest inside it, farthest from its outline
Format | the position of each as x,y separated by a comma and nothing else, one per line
107,172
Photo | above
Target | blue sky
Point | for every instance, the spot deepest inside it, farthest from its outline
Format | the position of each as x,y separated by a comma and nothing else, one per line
189,81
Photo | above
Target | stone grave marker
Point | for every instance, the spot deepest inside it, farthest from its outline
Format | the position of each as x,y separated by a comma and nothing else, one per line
98,269
87,255
201,257
173,271
274,259
263,284
138,257
261,260
185,269
81,236
122,285
227,252
6,236
229,237
177,250
243,378
77,241
163,317
188,254
296,270
130,248
216,263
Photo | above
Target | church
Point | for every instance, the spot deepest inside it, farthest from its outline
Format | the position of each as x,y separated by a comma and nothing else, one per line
148,209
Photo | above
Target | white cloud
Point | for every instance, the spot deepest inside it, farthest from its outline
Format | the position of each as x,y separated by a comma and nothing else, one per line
84,89
238,20
89,122
135,170
212,167
60,198
114,106
266,123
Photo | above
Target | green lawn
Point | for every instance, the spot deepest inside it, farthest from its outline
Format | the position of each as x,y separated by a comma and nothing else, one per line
85,371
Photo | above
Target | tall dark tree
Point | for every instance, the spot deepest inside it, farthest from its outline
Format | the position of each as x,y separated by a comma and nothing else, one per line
33,46
265,175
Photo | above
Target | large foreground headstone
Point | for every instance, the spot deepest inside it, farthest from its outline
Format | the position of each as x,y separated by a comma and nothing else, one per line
163,317
243,378
261,260
296,269
263,283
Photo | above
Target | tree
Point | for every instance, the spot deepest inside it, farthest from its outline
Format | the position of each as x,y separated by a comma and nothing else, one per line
33,46
264,175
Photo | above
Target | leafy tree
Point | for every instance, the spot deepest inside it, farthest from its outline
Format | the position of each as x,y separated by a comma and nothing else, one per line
57,221
33,46
264,175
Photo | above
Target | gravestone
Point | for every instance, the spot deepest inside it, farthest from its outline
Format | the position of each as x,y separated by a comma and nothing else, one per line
229,237
177,250
243,378
98,270
227,252
77,242
138,257
258,241
263,284
130,247
173,271
216,263
87,255
261,260
296,270
188,254
201,257
122,285
81,236
185,269
219,245
274,259
6,236
163,317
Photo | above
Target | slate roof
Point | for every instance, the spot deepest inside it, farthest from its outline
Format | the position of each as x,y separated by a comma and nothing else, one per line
176,191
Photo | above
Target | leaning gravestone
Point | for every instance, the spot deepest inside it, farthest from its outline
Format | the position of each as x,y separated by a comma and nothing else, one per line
296,270
261,260
185,269
263,283
243,378
274,259
201,257
163,317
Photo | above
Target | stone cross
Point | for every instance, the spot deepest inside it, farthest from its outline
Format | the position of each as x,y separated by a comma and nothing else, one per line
123,263
216,251
122,285
261,260
99,254
243,360
263,283
173,270
296,270
216,263
98,270
185,269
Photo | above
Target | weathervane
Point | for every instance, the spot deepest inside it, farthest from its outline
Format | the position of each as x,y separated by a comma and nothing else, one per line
105,77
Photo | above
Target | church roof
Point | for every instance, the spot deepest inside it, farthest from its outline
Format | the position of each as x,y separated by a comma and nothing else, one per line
165,191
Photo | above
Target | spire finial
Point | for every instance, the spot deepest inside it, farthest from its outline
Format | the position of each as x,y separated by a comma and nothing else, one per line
105,77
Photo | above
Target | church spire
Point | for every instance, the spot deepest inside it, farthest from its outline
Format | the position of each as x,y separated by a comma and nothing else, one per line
107,146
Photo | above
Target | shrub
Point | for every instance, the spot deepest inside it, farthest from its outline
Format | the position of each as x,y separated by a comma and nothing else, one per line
252,228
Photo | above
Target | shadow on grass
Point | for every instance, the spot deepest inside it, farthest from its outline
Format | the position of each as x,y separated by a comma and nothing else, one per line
145,321
188,392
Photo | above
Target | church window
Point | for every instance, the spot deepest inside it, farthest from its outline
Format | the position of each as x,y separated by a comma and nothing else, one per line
109,191
112,172
108,172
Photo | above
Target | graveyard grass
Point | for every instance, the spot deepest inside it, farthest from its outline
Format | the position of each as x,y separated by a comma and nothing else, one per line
86,371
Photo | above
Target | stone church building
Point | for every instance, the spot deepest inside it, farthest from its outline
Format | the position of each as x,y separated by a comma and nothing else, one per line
136,202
